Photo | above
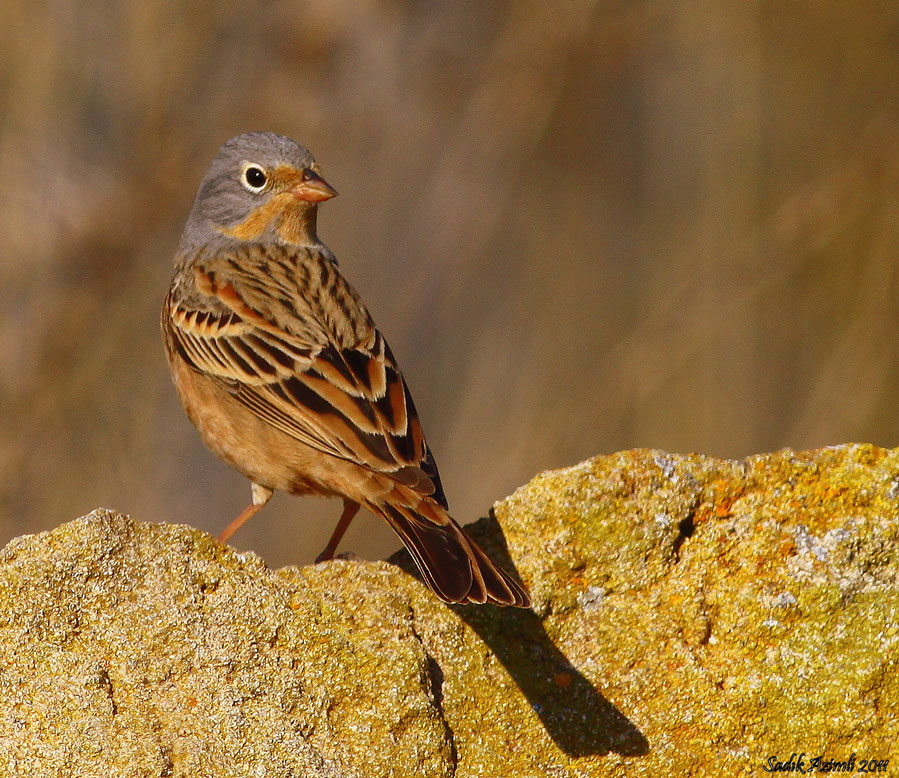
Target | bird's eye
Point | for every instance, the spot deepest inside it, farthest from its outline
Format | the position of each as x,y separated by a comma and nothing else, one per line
254,178
310,175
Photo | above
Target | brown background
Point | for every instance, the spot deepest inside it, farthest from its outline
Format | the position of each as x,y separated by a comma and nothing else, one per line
583,226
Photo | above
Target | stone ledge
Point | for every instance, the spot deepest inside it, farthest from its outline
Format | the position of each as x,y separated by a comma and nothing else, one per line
690,614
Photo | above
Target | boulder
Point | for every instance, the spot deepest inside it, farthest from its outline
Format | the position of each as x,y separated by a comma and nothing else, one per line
691,615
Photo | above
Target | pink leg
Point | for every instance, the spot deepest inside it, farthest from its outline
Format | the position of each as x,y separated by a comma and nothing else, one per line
349,510
261,495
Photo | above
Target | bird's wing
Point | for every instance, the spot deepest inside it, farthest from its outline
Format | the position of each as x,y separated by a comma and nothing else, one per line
289,338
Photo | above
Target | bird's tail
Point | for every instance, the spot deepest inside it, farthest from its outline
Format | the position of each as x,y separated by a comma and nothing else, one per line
453,565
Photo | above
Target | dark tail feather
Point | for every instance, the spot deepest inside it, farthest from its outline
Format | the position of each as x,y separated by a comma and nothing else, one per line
453,565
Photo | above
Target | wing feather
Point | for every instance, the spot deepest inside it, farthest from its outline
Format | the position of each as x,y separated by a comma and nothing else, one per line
290,339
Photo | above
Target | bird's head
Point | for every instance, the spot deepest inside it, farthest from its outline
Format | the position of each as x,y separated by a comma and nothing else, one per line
260,186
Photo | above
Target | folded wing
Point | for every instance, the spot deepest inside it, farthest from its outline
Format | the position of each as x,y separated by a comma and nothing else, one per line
291,340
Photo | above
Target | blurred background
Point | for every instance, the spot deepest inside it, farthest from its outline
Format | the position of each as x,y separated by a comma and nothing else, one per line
583,226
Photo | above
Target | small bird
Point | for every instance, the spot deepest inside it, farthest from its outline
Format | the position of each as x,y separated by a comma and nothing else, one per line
285,375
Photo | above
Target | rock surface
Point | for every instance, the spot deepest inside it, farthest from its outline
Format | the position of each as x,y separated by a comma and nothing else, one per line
691,616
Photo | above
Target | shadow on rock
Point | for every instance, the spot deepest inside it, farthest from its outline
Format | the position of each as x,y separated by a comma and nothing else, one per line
576,716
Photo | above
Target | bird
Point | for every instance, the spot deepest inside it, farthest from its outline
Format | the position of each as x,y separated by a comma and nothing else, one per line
285,375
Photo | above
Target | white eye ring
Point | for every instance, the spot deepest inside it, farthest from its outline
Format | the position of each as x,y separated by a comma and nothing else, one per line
253,177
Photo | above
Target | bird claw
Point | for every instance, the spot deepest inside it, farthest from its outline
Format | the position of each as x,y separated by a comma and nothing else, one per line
346,556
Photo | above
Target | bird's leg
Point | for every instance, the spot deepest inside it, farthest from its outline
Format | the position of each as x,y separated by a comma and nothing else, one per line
261,495
350,509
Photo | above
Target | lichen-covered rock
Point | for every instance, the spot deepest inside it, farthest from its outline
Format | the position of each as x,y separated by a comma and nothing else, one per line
691,616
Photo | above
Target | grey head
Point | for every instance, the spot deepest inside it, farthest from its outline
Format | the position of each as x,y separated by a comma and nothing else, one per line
259,187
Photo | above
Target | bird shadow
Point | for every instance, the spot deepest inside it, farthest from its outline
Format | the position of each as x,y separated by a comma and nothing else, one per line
579,719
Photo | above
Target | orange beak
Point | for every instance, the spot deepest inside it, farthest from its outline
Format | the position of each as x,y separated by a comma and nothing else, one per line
313,188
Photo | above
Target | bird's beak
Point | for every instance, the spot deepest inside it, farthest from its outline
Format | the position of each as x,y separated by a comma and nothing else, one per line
313,188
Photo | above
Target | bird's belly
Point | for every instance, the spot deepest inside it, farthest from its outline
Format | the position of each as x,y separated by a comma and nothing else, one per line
255,448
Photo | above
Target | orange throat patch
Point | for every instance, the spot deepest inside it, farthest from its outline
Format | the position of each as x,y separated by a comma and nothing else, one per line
293,223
